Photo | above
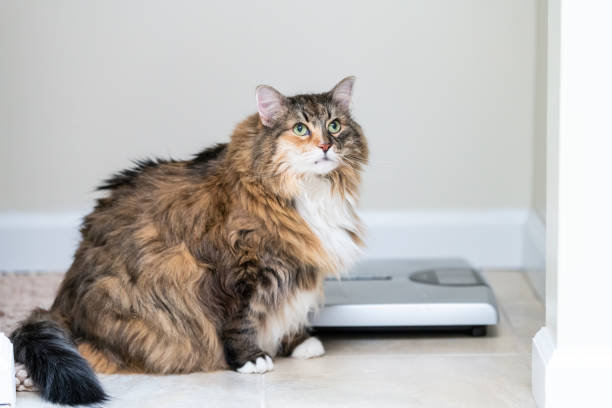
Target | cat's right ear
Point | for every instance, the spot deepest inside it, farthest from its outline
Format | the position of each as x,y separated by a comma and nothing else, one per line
271,104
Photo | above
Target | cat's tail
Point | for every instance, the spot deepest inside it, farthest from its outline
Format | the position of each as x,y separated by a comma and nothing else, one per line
53,363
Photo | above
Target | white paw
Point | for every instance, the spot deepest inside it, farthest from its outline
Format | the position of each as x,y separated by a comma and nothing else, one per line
260,366
23,382
311,347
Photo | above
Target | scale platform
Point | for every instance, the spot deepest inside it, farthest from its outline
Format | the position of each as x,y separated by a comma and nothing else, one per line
409,294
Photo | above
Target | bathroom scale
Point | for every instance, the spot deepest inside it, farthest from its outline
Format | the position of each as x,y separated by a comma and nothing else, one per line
394,294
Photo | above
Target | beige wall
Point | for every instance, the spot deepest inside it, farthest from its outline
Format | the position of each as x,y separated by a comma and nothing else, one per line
445,90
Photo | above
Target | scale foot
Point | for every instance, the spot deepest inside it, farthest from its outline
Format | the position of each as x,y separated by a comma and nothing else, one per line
478,331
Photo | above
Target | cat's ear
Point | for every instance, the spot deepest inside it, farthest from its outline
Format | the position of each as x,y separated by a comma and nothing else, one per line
271,104
341,94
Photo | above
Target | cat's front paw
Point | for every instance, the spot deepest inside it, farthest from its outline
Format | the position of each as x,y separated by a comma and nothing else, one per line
309,348
260,365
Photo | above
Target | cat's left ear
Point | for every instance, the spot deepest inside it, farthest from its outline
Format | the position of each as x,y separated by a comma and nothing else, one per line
271,104
341,94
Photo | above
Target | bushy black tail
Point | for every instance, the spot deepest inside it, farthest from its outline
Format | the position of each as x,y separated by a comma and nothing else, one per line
57,369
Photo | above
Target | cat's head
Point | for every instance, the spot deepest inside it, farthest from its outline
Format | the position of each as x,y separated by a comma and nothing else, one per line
310,134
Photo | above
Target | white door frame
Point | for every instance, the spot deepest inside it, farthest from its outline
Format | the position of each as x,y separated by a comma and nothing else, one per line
572,354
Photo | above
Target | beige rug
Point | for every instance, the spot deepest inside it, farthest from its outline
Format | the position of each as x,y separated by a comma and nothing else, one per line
20,292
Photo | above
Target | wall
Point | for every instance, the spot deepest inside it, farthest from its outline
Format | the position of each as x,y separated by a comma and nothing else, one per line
445,91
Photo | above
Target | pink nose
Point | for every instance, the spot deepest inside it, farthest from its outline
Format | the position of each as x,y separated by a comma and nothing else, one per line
325,146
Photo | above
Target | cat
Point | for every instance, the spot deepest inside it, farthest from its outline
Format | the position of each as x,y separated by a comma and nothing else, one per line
209,263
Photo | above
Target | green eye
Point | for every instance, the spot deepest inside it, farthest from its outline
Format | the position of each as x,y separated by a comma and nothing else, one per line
334,126
301,129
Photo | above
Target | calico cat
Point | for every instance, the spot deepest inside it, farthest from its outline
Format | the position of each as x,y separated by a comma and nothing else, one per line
210,263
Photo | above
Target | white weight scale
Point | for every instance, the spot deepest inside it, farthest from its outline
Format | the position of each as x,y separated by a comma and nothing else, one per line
409,294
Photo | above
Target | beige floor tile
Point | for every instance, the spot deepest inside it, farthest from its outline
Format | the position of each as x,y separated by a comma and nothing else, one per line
525,318
358,381
511,287
364,369
401,381
220,389
519,304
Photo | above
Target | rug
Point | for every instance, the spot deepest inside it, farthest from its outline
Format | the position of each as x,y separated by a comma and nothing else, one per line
20,292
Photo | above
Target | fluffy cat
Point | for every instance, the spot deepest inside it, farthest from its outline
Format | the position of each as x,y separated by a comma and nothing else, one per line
209,263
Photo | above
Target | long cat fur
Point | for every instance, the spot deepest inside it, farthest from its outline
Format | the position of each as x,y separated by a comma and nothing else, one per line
209,263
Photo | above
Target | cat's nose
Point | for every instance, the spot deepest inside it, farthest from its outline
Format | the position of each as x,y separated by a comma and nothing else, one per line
325,147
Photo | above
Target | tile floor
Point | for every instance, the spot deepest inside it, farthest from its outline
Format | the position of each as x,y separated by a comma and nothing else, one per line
375,370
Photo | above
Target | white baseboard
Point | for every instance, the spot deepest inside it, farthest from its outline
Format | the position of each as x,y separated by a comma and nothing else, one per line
576,376
534,253
487,239
38,241
542,351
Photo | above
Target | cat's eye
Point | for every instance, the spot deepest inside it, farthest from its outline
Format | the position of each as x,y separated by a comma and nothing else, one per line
301,129
334,126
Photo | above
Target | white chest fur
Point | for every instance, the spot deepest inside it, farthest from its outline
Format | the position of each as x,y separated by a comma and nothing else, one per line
330,217
289,318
